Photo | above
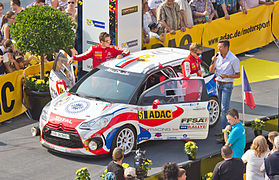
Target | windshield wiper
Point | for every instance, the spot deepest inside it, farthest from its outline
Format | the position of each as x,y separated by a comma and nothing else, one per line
74,93
98,98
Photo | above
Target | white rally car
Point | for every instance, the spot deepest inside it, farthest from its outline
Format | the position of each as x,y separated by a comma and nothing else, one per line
124,102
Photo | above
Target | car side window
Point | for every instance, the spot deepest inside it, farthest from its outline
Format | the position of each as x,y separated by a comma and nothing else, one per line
174,91
63,69
159,77
204,68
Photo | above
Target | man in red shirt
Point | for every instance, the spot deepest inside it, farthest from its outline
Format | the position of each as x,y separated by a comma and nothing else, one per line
101,52
191,66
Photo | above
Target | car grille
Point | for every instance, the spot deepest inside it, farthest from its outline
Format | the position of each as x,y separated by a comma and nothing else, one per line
73,142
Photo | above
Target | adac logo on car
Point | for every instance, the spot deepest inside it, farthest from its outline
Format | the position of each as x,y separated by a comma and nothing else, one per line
95,23
155,114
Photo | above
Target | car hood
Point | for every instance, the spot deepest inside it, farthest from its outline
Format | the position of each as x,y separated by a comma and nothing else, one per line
70,110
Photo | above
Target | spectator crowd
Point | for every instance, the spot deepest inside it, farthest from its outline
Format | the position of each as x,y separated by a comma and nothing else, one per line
168,16
10,58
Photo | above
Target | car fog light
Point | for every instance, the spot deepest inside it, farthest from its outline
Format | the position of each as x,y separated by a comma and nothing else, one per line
35,131
92,145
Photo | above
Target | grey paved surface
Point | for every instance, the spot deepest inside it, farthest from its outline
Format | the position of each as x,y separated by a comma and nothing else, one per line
22,157
265,93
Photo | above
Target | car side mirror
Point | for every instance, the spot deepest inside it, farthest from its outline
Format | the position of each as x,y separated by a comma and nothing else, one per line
155,104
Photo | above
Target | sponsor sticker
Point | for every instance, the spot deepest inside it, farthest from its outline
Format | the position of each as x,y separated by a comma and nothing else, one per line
129,10
158,135
171,138
77,106
155,114
61,101
193,123
129,44
95,23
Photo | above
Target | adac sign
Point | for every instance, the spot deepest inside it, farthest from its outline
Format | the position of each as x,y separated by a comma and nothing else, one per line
155,114
11,99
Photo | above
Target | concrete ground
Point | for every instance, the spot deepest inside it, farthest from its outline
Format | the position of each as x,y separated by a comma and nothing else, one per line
264,87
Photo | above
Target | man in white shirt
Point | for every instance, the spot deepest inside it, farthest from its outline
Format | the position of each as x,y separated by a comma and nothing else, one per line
153,4
227,69
186,13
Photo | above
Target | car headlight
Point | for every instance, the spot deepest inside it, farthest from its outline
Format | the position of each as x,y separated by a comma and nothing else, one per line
93,145
97,123
44,114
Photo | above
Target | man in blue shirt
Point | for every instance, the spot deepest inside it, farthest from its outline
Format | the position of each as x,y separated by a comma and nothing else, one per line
236,139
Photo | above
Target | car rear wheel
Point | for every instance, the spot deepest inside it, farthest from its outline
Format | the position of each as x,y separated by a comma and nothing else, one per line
126,138
214,110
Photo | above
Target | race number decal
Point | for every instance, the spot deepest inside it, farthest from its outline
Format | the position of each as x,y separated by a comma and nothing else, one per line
155,114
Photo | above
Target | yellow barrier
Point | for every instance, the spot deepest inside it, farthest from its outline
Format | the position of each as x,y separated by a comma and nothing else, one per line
31,70
245,31
11,95
275,20
11,91
179,39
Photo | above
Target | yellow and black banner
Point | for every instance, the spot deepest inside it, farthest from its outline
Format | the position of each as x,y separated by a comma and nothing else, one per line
11,95
35,69
244,31
275,20
155,114
179,39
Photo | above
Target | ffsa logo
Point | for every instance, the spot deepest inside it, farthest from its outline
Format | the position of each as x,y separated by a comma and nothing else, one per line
95,23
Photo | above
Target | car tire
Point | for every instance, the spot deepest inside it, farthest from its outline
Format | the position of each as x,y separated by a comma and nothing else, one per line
126,138
214,110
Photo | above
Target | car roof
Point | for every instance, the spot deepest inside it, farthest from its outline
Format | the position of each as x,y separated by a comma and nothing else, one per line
146,60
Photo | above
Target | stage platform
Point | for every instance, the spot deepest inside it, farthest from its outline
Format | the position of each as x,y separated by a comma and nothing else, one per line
166,151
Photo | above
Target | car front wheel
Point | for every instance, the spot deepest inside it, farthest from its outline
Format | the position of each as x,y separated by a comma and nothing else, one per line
214,110
126,138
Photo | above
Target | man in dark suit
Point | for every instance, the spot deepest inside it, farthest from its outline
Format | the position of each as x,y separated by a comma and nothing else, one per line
230,168
271,163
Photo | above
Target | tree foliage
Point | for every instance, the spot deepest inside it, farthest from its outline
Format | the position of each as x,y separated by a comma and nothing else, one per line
42,30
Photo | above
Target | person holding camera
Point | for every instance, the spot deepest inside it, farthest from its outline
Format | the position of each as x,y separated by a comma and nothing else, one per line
115,165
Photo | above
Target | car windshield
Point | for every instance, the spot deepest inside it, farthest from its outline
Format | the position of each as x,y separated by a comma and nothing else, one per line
108,84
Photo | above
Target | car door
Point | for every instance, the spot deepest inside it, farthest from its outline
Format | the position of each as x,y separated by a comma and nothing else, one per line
175,109
61,76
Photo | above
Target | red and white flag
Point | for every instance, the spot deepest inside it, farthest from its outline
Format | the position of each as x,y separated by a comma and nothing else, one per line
247,93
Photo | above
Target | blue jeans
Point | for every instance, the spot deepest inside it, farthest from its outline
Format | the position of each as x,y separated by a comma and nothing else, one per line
224,95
